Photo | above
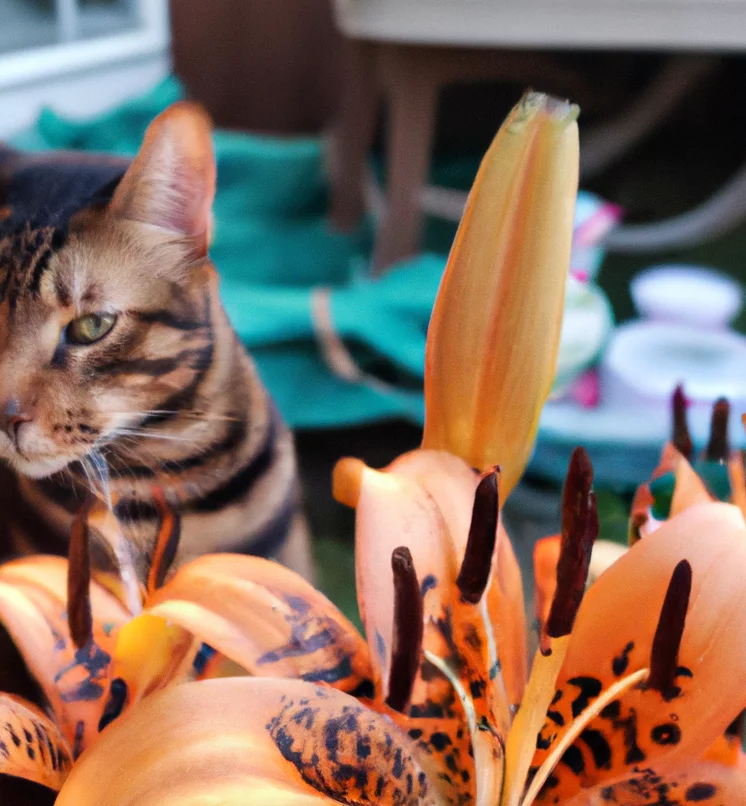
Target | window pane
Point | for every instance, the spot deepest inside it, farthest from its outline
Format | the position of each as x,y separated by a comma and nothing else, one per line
35,23
105,17
27,24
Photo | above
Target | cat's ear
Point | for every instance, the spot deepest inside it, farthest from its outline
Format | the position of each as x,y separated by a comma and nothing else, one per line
171,182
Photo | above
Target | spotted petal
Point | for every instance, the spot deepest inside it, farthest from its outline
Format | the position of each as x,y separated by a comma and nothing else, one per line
31,745
266,618
704,784
74,681
394,510
424,501
252,741
613,636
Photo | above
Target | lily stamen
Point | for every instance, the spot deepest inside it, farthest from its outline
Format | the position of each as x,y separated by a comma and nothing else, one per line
680,436
665,653
480,547
579,532
406,647
718,448
79,614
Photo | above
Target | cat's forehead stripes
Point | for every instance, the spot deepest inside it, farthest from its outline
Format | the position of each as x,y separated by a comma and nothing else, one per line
44,193
37,200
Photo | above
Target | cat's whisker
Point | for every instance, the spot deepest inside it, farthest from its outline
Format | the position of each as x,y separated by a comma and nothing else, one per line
186,414
152,435
101,471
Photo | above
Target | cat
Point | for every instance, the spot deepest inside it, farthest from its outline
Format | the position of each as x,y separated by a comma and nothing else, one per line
119,369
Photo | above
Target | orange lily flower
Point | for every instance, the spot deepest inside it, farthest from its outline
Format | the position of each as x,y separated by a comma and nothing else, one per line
66,628
41,745
624,702
93,659
633,683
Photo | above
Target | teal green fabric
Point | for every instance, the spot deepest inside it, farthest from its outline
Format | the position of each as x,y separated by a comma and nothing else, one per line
272,245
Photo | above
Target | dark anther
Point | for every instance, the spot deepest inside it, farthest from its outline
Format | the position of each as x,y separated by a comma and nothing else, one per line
115,703
79,618
681,437
167,540
664,657
579,532
408,626
717,448
475,569
736,726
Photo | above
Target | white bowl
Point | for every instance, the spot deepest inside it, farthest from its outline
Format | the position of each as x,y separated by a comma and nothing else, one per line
645,362
689,295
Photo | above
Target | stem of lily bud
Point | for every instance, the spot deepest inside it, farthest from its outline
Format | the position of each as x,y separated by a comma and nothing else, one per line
577,727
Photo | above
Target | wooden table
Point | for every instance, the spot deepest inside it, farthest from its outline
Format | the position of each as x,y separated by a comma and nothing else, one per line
403,51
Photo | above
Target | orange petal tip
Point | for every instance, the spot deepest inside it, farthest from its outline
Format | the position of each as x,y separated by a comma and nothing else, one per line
346,481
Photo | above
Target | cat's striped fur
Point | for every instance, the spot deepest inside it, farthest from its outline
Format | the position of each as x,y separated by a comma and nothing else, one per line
169,396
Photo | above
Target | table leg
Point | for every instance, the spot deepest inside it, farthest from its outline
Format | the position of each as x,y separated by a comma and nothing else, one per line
353,135
411,91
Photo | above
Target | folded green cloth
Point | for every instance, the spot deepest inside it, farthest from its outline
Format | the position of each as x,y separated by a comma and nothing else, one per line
333,346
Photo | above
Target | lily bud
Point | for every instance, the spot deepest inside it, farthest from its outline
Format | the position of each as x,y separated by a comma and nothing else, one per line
494,334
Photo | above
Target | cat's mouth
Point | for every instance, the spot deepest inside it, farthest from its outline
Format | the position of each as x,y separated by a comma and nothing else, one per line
37,467
29,462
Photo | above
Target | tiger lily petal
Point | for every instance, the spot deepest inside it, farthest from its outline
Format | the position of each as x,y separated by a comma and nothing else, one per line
73,680
264,618
704,783
694,688
31,744
252,741
443,709
227,614
489,362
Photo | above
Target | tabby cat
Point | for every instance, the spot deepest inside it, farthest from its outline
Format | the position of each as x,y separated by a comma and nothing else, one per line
119,369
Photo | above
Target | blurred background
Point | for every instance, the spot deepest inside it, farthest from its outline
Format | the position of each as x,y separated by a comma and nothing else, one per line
347,135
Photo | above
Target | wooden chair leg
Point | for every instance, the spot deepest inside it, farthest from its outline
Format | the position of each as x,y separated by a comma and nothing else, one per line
353,135
411,97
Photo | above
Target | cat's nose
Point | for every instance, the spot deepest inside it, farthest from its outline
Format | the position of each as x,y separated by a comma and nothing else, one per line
12,417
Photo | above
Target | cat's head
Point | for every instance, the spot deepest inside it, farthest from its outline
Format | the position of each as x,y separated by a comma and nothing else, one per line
105,291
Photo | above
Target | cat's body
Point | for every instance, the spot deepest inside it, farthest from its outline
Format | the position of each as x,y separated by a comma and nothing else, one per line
164,393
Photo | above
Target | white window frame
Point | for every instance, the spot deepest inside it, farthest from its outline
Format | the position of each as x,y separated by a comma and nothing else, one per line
37,64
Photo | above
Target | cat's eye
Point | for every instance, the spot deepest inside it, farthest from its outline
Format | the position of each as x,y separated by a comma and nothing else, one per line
89,328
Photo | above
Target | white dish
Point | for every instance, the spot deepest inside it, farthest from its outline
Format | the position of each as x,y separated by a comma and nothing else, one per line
687,295
645,361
